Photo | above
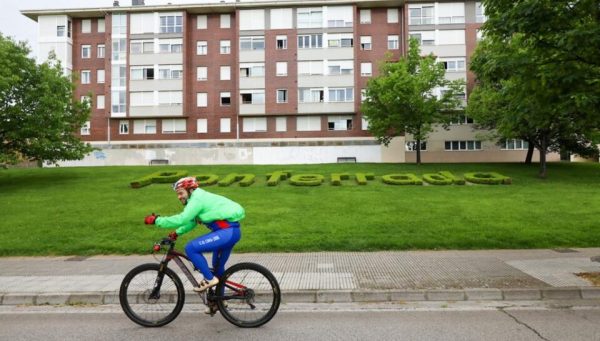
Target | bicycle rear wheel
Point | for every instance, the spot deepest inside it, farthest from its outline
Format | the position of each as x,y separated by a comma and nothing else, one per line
248,295
147,305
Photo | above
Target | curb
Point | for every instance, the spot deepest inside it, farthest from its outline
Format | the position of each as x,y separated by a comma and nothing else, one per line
333,296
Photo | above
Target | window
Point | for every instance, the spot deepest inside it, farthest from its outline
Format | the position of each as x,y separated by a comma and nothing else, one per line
85,128
310,41
201,99
462,145
86,26
479,35
340,40
225,73
225,99
392,15
252,70
461,119
363,95
170,71
170,46
144,126
310,17
365,16
170,98
308,123
411,146
365,42
393,42
252,43
201,73
225,21
100,76
123,127
142,73
226,125
281,43
255,124
479,13
451,13
282,96
420,14
310,68
69,28
281,68
451,37
119,49
425,38
142,46
86,77
202,125
171,24
225,46
252,96
60,31
86,100
341,95
340,67
340,16
202,22
514,144
364,124
118,101
308,95
101,25
201,48
281,18
101,50
455,64
86,51
365,69
339,123
280,124
173,126
141,98
100,102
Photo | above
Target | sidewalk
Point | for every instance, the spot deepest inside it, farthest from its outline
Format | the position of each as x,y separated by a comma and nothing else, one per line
330,276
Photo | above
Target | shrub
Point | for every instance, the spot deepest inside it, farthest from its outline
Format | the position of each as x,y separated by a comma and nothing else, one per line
361,178
455,180
246,179
207,179
401,179
307,180
274,178
487,178
158,177
336,178
437,179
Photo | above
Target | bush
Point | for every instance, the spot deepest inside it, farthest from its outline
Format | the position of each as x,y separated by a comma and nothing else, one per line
361,178
246,179
455,180
336,178
207,179
437,179
274,178
401,179
487,178
307,180
158,177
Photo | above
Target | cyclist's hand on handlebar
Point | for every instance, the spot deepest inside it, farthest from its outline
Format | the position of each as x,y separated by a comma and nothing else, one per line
149,220
173,235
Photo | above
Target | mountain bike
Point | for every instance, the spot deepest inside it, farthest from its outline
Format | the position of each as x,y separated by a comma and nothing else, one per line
152,294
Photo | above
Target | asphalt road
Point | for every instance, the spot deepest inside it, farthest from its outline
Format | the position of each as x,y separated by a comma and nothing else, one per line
315,322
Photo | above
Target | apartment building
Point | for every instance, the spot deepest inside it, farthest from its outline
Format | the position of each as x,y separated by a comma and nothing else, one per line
256,82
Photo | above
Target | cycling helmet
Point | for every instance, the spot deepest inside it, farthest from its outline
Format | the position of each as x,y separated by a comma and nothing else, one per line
186,183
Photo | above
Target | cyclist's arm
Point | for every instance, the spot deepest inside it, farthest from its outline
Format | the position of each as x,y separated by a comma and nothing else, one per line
185,221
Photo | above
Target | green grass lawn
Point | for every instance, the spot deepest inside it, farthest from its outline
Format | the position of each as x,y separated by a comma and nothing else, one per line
85,211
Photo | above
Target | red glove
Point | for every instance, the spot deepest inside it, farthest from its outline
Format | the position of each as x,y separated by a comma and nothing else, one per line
149,220
173,235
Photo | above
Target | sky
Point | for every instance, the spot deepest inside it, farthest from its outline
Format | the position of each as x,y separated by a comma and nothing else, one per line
21,28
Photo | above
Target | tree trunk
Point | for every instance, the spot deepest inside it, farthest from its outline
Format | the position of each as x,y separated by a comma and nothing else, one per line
529,156
418,152
543,150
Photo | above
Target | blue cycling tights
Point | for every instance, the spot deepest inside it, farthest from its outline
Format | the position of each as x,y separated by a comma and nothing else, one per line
220,243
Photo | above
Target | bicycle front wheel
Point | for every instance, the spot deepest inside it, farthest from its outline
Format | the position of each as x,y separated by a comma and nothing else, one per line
151,298
248,295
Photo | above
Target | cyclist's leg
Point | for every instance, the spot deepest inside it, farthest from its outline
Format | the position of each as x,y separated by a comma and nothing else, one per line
209,242
225,252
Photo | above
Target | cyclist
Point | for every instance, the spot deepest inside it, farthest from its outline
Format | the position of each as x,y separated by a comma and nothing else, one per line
221,215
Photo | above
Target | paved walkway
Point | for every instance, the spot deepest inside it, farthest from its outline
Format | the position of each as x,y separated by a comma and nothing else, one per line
331,276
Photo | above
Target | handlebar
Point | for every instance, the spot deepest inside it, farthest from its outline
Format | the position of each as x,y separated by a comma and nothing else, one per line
165,241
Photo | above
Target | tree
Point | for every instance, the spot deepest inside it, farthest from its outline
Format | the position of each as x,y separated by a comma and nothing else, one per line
401,99
38,114
538,75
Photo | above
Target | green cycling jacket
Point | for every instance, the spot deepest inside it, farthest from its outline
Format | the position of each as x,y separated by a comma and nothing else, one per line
204,207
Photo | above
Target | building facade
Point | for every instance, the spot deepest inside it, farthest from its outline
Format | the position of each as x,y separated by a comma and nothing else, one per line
256,82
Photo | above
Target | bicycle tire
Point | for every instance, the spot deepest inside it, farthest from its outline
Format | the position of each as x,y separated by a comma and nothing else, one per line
139,307
266,295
